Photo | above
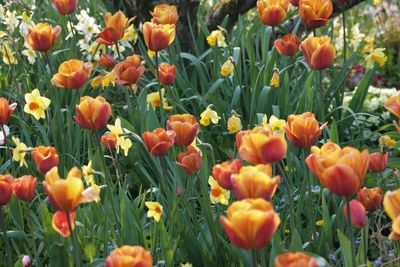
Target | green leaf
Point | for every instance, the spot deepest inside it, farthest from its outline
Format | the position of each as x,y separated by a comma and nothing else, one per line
127,221
345,248
334,134
296,244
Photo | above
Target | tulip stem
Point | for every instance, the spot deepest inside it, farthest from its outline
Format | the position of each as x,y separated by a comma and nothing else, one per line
254,256
6,241
5,139
159,90
350,232
74,242
320,89
71,25
289,196
117,48
46,55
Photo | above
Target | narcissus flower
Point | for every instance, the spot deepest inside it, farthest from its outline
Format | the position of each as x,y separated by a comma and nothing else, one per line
377,162
341,170
303,130
234,124
36,104
318,52
223,172
129,71
165,14
103,80
158,36
65,7
218,194
371,198
159,141
190,160
93,113
216,38
129,256
167,74
391,203
45,158
315,13
153,99
106,61
393,105
155,210
275,79
67,194
6,110
185,126
250,223
357,213
255,182
60,222
376,55
272,12
19,152
6,182
130,35
277,125
227,68
288,45
208,116
386,140
24,188
116,134
42,37
297,259
72,74
114,29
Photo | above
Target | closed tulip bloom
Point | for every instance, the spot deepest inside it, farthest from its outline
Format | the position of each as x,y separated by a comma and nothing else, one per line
371,198
109,141
315,13
341,170
288,45
223,172
60,222
129,71
294,2
272,12
24,188
114,29
189,160
159,141
185,126
377,162
65,7
129,256
93,113
318,52
6,183
72,74
6,110
357,214
165,14
297,259
45,158
250,223
261,145
303,130
255,182
157,36
106,61
391,203
167,74
393,105
42,37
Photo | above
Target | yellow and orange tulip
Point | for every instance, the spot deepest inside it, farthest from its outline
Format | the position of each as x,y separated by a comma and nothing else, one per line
393,105
190,160
357,213
318,52
159,141
165,14
45,158
93,113
60,222
303,130
6,110
315,13
272,12
391,203
6,188
106,61
158,36
288,45
377,162
42,37
109,141
129,256
24,188
223,172
129,71
297,259
167,74
371,198
65,7
185,126
114,29
72,74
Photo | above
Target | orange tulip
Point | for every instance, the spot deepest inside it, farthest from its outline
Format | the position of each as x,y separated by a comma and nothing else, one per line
377,162
255,182
391,203
185,126
92,113
167,74
261,145
6,184
60,222
159,141
129,71
357,213
106,61
393,105
315,13
190,160
6,110
109,141
342,171
288,45
42,37
250,223
298,259
371,198
24,188
45,158
272,12
65,7
157,36
318,52
223,172
72,74
302,130
129,256
294,2
114,29
165,14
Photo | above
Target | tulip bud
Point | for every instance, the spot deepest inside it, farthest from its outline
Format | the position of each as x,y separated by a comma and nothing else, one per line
26,261
303,130
72,74
6,110
106,61
24,188
167,74
129,71
377,162
6,182
65,7
42,37
288,45
165,14
190,160
371,198
272,12
185,126
315,13
45,158
357,213
318,52
109,141
393,105
297,259
92,113
223,172
159,141
129,256
158,37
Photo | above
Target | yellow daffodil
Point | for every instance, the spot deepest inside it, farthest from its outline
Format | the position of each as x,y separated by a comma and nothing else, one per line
130,34
227,68
386,140
88,175
217,193
369,44
122,142
8,55
19,152
216,38
377,2
103,80
153,99
275,79
377,55
187,264
150,53
234,124
319,223
208,116
36,105
155,210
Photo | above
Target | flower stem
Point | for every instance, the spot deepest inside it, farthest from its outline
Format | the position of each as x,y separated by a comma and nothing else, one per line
159,90
5,139
118,53
254,257
74,242
289,195
6,241
350,232
320,90
46,55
